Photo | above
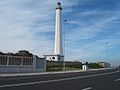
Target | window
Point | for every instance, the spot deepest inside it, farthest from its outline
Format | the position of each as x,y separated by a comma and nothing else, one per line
53,57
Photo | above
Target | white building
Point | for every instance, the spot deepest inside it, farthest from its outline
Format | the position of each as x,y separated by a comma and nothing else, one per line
104,64
54,57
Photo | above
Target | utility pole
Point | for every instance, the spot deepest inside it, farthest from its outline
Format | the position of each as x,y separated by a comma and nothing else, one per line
106,50
65,20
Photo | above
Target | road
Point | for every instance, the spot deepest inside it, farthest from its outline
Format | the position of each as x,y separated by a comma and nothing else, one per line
91,80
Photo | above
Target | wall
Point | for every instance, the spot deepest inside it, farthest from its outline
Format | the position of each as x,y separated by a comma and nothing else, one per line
15,64
40,64
54,57
13,69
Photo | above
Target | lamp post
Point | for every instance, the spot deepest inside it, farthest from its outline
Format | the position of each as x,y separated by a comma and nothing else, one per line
106,51
65,20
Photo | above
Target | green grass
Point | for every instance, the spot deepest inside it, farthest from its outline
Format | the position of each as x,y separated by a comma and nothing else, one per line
61,68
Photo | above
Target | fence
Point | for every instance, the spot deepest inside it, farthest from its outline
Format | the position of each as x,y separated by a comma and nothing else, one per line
21,64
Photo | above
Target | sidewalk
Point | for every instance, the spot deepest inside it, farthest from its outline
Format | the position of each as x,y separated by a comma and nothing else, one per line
44,73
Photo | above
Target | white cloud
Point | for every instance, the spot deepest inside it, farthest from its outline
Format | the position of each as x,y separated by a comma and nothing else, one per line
87,30
101,19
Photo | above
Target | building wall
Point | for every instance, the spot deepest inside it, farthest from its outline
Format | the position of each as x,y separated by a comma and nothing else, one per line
40,64
104,64
13,69
54,57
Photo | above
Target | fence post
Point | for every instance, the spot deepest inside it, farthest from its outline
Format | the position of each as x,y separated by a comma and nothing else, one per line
7,60
34,63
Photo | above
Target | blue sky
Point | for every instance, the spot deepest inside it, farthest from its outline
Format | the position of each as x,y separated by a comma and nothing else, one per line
29,24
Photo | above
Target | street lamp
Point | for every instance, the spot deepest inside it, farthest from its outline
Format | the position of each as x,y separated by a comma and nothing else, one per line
65,20
106,51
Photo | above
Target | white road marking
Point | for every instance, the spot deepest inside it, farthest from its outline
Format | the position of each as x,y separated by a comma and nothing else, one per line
55,80
117,79
87,88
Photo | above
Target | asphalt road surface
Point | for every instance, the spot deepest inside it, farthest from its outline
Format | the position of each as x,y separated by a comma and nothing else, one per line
91,80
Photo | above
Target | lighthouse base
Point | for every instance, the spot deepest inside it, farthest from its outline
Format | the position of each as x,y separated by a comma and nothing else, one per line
54,57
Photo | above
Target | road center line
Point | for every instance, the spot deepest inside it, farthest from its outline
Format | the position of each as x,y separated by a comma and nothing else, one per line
87,88
117,79
55,80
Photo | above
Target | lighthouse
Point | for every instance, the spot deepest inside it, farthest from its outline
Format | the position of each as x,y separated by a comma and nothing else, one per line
58,50
58,31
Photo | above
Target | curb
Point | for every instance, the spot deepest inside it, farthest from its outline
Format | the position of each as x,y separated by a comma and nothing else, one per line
47,73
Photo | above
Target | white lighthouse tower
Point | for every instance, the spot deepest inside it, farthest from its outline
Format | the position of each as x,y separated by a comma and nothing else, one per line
58,31
58,50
